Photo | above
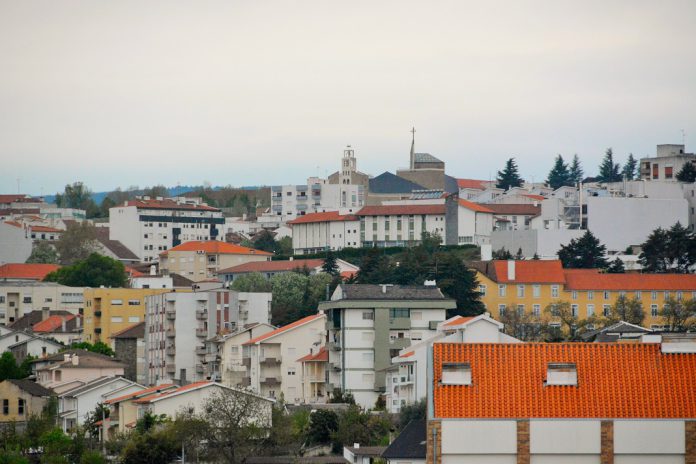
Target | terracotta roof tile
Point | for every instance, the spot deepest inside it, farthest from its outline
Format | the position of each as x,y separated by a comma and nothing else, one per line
51,323
157,396
217,247
167,204
458,320
273,266
26,271
397,210
139,393
534,197
11,197
474,206
45,229
531,271
329,216
614,381
629,281
471,184
285,328
320,356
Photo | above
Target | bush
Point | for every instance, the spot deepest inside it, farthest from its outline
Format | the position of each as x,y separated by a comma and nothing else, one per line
92,457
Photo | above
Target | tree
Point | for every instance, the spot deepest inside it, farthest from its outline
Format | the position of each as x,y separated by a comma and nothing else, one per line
56,447
571,326
157,447
415,267
559,175
330,265
456,281
98,347
628,310
416,411
375,268
101,411
519,256
149,421
77,196
264,241
672,250
502,254
357,426
338,396
289,293
77,242
8,366
509,177
156,191
687,173
43,253
94,272
654,256
608,171
575,173
679,316
630,170
585,252
251,282
284,246
322,423
616,267
521,324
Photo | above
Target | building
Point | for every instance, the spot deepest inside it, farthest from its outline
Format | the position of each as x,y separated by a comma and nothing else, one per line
531,286
179,325
313,374
18,272
148,226
229,349
317,232
110,310
40,299
65,329
666,164
270,268
113,248
474,223
562,402
200,261
510,216
36,346
73,368
129,346
22,399
401,224
368,325
349,174
363,454
123,412
409,446
388,187
15,243
619,332
272,362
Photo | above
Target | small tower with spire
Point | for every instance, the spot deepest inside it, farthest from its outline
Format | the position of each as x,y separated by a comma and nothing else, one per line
412,165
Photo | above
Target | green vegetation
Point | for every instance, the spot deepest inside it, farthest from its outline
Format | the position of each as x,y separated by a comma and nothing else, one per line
9,369
559,175
43,253
608,170
94,271
585,252
509,177
669,250
98,347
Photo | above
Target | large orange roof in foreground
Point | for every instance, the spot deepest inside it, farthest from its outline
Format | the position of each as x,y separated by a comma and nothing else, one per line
614,381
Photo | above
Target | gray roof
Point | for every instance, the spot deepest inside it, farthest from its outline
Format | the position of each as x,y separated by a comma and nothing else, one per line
390,292
613,332
367,450
391,183
133,331
117,248
425,158
31,387
90,385
451,184
85,359
410,443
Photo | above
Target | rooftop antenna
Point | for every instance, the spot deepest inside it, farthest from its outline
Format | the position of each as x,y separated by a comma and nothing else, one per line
683,137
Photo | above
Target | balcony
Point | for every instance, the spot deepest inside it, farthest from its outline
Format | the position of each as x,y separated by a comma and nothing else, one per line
246,382
171,315
201,350
201,332
199,368
399,343
170,368
246,362
170,351
334,346
270,380
270,360
170,332
315,378
201,314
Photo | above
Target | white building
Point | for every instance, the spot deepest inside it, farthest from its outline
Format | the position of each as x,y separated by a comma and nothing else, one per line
316,232
148,226
229,349
20,298
669,160
15,243
268,269
474,223
400,224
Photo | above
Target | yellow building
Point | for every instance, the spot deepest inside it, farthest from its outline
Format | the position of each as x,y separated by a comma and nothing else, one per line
110,310
21,399
530,286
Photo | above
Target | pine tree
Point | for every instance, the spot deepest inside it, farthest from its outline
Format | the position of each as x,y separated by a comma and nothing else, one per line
687,173
456,281
608,171
585,252
509,177
629,169
575,173
519,256
559,175
616,267
330,266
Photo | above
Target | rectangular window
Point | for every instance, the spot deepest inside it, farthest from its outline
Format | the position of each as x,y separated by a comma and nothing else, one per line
574,294
667,294
133,302
116,319
117,302
520,310
2,299
653,295
456,374
482,290
502,289
653,310
607,294
395,313
6,406
574,310
27,299
590,295
680,295
536,290
590,310
501,310
367,357
606,310
20,406
368,315
520,291
536,310
554,291
134,319
638,295
417,315
291,371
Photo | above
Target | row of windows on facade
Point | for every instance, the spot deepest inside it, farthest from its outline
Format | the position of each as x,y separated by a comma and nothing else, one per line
575,309
555,290
20,406
65,298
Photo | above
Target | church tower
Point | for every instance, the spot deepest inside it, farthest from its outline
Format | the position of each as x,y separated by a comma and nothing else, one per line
412,164
348,166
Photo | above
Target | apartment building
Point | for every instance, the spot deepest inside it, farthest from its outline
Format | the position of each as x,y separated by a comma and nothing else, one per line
129,346
313,374
148,226
562,403
474,223
15,243
19,298
123,411
317,232
530,286
229,349
400,224
111,310
74,368
510,216
178,326
268,269
368,325
666,164
272,362
200,261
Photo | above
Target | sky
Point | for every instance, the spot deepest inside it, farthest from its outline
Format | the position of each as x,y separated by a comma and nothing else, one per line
116,94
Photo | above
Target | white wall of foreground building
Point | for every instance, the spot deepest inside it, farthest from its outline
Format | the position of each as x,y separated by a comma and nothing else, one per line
15,244
544,242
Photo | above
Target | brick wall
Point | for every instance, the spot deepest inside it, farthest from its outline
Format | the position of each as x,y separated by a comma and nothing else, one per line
607,442
523,442
434,443
690,437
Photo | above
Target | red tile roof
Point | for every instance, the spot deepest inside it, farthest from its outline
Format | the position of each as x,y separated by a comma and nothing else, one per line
45,229
51,323
320,356
285,328
14,223
146,391
26,271
216,247
167,204
329,216
597,281
615,380
407,355
471,184
11,198
157,396
456,320
514,209
534,197
474,206
273,266
132,272
526,272
397,210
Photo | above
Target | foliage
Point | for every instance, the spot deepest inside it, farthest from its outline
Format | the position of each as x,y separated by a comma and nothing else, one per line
56,446
375,268
679,316
411,412
92,457
626,309
284,246
43,253
559,174
630,170
687,173
503,253
608,170
575,172
458,282
341,397
94,272
12,457
322,424
77,196
330,266
156,447
98,347
93,417
149,421
287,435
9,368
522,325
264,240
571,325
357,426
616,267
77,242
672,250
251,282
585,252
509,177
289,289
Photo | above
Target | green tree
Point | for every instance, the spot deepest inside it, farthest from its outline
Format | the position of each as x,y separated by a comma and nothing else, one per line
672,250
149,421
456,281
43,253
416,411
98,347
251,282
375,268
687,173
322,423
630,170
77,196
502,254
77,242
264,240
559,175
56,447
316,292
616,267
585,252
106,204
156,191
415,267
509,177
289,293
575,173
92,457
628,310
284,246
608,170
157,447
654,256
8,366
521,325
679,316
330,265
357,426
94,272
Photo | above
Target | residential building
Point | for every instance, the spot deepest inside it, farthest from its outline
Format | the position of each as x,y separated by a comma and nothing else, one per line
15,243
363,454
40,299
313,374
562,402
200,261
22,399
129,346
270,268
18,272
154,281
409,447
12,337
272,362
75,405
666,164
73,368
65,329
531,286
38,347
474,223
317,232
400,225
619,332
148,226
110,310
229,349
178,326
114,248
123,412
510,216
368,325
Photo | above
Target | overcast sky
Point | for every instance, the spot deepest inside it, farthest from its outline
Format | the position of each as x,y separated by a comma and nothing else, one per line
120,93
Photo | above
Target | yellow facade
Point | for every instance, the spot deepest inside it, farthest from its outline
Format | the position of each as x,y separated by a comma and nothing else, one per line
533,298
17,405
110,310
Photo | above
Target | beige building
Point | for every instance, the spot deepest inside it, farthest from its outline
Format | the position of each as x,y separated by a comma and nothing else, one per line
232,369
20,298
200,261
73,368
314,375
22,399
123,413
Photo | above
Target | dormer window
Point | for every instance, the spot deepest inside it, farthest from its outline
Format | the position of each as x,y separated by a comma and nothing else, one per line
562,374
456,374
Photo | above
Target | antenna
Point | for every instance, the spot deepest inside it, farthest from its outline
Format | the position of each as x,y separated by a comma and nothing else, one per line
683,137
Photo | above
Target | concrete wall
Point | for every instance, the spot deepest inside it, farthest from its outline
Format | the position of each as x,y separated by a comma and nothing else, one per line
15,244
544,242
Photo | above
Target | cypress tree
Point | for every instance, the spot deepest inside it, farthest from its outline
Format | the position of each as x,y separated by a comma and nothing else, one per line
509,177
559,174
608,171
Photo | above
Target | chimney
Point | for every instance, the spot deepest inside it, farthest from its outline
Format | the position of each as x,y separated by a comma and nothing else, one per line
78,321
62,324
75,360
66,357
45,313
511,269
292,258
486,252
384,288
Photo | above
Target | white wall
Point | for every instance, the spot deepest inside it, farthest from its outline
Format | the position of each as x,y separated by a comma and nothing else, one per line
649,437
564,437
479,437
15,244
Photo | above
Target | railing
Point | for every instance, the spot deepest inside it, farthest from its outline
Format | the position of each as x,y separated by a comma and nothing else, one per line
201,332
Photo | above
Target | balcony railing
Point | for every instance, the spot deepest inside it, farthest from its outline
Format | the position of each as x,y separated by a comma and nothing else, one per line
171,368
170,351
201,350
270,380
170,332
246,362
270,360
199,368
201,314
171,315
201,332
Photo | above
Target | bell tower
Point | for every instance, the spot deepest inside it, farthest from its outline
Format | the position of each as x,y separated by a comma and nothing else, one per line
348,166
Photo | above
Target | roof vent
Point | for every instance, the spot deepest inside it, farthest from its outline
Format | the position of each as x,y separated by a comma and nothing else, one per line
562,374
456,374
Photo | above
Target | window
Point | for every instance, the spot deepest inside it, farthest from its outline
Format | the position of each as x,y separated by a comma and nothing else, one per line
653,310
638,295
116,319
482,290
367,336
520,291
520,310
27,299
590,295
48,300
561,374
667,295
502,289
2,299
574,310
536,310
501,310
367,357
456,374
117,302
653,295
536,290
20,406
606,310
134,319
133,302
368,315
680,295
607,294
399,312
291,371
554,291
574,294
5,406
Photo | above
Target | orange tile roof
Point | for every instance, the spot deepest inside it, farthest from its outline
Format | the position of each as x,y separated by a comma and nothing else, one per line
329,216
26,271
474,206
614,381
597,281
166,204
533,196
45,229
320,356
471,184
532,271
273,266
14,223
132,272
216,247
285,328
11,197
407,355
146,391
514,209
456,320
397,210
157,396
51,323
